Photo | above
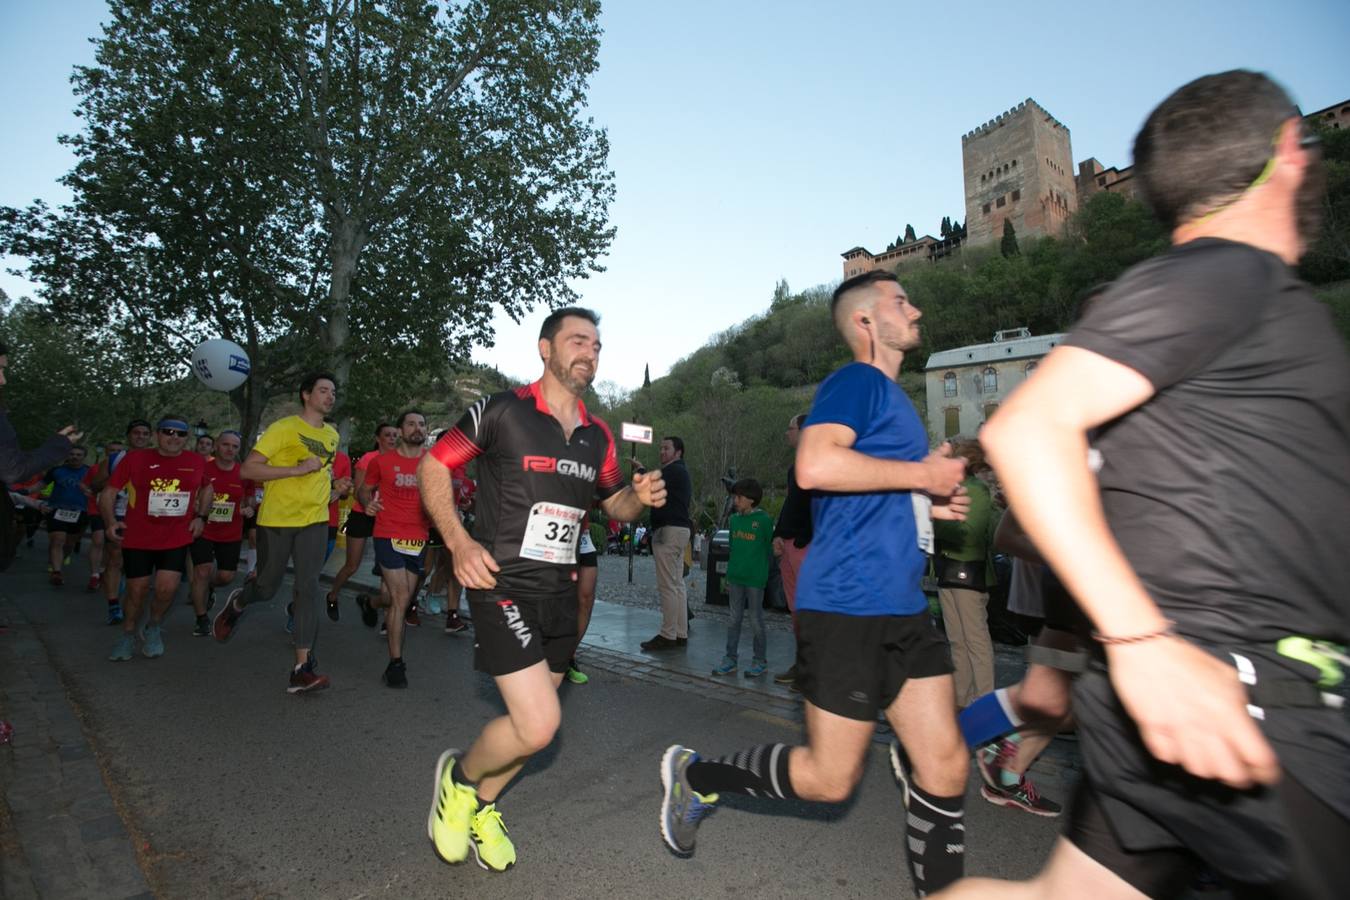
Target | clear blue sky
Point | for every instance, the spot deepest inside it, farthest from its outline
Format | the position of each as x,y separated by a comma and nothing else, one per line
754,141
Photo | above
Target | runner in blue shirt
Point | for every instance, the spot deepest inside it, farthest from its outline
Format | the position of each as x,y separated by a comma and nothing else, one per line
866,641
64,507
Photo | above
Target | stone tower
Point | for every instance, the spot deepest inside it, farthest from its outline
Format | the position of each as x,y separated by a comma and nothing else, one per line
1020,167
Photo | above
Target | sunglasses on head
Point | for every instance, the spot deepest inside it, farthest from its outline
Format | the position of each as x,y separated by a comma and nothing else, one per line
173,432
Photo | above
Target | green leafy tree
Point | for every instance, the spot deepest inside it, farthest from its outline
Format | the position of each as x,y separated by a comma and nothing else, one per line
324,180
1328,259
945,229
910,236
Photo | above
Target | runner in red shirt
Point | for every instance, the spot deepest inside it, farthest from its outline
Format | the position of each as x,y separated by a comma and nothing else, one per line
342,468
359,527
223,534
390,493
139,434
96,536
168,498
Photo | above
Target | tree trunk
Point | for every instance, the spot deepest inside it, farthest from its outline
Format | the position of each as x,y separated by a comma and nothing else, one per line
349,239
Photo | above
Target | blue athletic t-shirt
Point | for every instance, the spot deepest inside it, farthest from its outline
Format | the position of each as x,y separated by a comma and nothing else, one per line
65,482
864,558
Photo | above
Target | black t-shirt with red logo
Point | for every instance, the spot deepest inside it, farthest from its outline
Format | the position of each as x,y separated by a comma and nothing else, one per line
534,485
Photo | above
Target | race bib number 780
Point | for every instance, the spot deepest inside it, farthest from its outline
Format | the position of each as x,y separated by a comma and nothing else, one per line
551,533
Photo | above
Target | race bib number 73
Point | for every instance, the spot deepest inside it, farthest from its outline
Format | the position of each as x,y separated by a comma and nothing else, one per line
169,503
551,533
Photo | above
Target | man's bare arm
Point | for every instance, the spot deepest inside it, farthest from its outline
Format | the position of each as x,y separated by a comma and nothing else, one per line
1037,442
474,566
827,461
257,468
647,489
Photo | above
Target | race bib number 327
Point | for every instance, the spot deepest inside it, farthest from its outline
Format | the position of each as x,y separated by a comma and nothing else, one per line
551,533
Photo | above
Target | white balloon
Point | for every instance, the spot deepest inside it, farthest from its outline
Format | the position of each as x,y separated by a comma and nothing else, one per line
219,364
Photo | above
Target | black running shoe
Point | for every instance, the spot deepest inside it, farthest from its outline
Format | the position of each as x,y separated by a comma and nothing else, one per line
396,674
368,615
333,612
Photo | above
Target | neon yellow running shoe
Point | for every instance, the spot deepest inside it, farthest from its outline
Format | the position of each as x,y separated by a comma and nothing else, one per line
452,808
491,847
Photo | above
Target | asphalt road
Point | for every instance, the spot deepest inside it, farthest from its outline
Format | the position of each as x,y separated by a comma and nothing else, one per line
231,787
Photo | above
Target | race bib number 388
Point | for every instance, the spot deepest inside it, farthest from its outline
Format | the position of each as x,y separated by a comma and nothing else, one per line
551,533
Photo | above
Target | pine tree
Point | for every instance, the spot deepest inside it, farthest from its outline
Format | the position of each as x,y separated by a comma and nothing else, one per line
910,237
945,229
1009,244
646,376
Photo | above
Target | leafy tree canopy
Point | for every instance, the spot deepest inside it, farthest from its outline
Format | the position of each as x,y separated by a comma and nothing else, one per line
324,181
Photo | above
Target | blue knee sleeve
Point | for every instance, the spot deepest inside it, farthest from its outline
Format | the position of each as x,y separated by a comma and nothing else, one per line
988,718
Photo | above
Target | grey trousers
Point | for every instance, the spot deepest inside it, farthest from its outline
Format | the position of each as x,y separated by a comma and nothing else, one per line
305,546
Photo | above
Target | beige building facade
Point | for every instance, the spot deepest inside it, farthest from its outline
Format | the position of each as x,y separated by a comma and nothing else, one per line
966,385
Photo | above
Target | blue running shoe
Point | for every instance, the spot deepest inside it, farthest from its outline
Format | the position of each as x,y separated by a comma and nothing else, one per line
152,644
682,807
124,649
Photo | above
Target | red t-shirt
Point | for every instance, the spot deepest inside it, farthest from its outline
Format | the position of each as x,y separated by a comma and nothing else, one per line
362,465
226,521
342,468
161,497
395,476
91,508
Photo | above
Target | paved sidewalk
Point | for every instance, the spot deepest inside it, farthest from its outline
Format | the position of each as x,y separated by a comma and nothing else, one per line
62,835
626,614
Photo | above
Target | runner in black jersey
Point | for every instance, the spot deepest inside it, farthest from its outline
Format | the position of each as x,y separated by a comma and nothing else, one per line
542,461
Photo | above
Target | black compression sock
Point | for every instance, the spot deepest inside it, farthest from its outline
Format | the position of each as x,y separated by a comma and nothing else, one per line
758,772
458,777
935,836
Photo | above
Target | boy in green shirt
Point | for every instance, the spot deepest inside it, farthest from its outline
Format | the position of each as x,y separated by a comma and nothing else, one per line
747,573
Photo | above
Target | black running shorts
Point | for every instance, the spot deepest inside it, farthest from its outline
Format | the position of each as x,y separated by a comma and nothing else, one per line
514,634
141,563
387,556
1314,842
225,554
588,560
359,525
854,666
74,526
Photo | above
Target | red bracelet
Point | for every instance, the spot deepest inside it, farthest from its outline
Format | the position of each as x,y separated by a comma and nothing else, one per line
1165,631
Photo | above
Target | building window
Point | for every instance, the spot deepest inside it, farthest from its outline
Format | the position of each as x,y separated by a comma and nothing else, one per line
951,425
1101,182
986,209
1016,195
989,410
1001,202
990,381
949,384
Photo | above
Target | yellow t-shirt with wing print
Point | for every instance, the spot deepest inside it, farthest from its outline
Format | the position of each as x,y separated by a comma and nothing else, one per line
300,500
